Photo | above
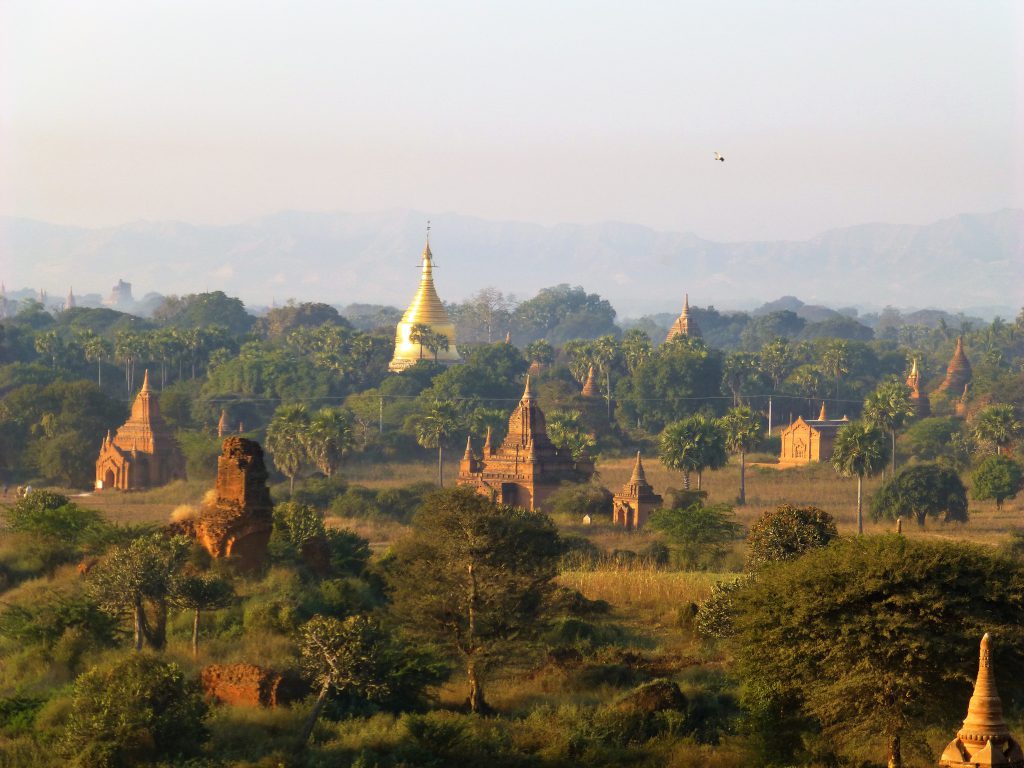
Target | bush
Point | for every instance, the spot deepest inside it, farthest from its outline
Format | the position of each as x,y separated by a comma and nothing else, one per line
919,491
577,500
787,532
132,712
699,534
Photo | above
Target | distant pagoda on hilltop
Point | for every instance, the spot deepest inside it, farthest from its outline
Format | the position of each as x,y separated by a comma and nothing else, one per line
427,310
684,324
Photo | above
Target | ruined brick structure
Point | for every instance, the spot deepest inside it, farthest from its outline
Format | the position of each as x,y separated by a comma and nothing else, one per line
589,386
918,399
632,505
248,685
809,441
239,521
984,739
684,324
958,373
526,468
142,453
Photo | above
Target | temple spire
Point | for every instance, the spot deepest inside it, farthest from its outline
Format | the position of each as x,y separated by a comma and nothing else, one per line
528,390
589,387
638,477
488,450
469,448
145,382
822,416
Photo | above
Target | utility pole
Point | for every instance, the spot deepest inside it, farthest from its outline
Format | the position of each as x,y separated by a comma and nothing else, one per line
380,416
769,417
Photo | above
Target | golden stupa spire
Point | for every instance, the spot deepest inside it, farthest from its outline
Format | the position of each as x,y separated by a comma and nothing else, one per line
822,416
145,382
469,448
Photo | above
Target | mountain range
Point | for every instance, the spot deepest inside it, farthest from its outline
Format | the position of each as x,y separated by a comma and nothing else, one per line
969,262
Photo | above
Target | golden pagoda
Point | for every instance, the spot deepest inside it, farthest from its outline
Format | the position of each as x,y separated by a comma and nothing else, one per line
984,738
425,309
684,324
918,399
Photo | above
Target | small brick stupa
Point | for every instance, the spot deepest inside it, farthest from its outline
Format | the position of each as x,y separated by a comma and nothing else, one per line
984,739
684,324
142,453
239,521
918,399
590,386
958,373
634,503
526,468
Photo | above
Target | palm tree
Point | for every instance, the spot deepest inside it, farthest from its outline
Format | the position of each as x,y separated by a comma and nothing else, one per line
860,450
565,428
999,424
636,348
287,438
418,335
836,361
96,349
540,352
48,344
329,438
693,445
742,429
435,428
889,408
435,342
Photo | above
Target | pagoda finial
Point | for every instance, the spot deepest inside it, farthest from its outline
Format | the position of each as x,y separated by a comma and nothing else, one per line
145,382
822,416
468,455
638,477
528,390
222,425
686,303
487,443
984,719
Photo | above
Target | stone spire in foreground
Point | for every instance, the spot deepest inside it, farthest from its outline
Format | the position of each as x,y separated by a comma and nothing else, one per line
984,739
425,309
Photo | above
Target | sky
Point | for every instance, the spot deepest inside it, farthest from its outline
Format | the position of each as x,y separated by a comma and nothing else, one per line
828,113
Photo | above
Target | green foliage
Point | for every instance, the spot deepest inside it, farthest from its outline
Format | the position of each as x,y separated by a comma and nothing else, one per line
561,313
575,500
929,439
329,438
997,477
693,445
565,428
131,712
700,535
1000,425
287,437
474,576
860,450
875,637
714,617
52,516
786,533
921,491
200,310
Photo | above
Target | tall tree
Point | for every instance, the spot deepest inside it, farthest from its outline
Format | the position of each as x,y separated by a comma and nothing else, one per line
998,424
776,361
329,438
540,352
418,334
742,430
889,408
565,428
860,451
201,592
997,477
287,438
636,348
693,445
835,359
474,576
435,429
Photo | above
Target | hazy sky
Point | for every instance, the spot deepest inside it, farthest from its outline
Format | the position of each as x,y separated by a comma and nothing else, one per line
829,113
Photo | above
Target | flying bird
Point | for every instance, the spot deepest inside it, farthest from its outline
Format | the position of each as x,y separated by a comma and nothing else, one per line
719,157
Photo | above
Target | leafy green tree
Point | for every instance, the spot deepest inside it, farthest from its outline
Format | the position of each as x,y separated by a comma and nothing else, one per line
929,439
135,573
835,359
920,491
287,438
329,438
565,428
997,477
202,310
999,424
636,348
860,451
776,361
435,429
741,375
343,656
889,408
742,430
699,534
693,445
51,516
786,532
873,637
201,592
474,576
133,712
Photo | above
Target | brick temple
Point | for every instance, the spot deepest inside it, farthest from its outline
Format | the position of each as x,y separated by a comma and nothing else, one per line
526,468
142,453
632,505
810,440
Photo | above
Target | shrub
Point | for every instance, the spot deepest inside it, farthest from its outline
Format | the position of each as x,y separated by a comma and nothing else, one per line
787,532
997,477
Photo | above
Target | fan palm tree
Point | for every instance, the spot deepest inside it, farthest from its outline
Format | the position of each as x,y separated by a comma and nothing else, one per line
889,408
693,445
418,335
860,451
999,424
742,428
287,438
329,438
435,428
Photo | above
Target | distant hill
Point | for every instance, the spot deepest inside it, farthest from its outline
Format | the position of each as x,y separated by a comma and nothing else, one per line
971,260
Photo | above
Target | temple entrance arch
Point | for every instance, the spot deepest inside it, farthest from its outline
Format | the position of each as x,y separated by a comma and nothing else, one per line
108,478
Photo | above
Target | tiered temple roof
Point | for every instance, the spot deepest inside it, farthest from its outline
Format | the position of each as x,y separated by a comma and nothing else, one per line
684,324
526,468
958,373
142,453
425,309
632,505
984,739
